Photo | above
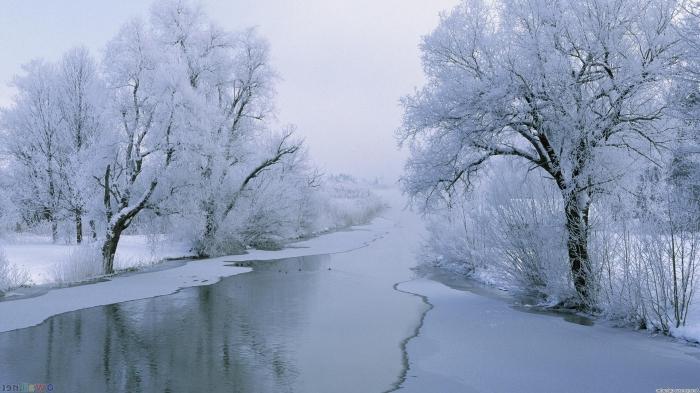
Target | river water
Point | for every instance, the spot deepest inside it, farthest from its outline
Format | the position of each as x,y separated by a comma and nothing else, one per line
328,323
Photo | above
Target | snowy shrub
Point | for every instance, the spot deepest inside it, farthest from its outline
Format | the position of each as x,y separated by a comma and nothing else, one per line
528,233
454,242
11,276
508,231
83,262
344,201
650,277
618,272
9,216
669,263
644,253
287,206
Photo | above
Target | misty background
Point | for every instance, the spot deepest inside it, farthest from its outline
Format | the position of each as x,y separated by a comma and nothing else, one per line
343,64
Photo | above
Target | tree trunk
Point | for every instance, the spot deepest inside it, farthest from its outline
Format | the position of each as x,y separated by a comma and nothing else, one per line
109,248
210,228
93,230
54,230
78,227
577,247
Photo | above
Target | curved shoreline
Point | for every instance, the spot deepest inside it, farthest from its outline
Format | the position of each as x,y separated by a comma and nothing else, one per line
31,311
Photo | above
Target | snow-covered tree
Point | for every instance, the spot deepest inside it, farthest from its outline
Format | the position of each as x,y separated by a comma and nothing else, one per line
81,104
174,128
233,81
149,114
573,89
31,142
48,134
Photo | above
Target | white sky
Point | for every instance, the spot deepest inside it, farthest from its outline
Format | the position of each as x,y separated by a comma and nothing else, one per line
344,63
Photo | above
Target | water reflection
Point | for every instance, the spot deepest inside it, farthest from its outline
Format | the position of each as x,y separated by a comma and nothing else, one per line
238,335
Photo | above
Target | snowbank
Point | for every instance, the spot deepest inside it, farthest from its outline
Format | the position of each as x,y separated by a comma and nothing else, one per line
40,258
691,330
21,313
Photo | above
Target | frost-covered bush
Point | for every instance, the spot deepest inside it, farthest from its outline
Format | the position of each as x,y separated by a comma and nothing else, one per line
669,276
82,263
649,277
344,201
527,231
11,276
284,206
9,217
508,232
617,270
455,242
646,260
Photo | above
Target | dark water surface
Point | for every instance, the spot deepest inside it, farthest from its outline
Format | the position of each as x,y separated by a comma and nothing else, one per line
308,324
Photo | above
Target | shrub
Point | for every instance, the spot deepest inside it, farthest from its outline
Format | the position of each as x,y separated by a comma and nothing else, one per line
83,262
11,276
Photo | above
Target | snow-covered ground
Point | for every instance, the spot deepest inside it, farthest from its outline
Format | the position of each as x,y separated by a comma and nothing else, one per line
36,260
42,259
691,331
31,311
473,343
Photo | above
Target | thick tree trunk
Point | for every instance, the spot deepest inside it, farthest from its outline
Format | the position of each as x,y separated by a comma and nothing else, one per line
109,248
78,228
577,247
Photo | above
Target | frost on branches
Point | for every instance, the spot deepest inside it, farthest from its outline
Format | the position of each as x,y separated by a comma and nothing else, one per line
171,131
578,97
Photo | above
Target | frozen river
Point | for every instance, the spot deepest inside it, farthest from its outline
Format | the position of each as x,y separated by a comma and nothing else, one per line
336,323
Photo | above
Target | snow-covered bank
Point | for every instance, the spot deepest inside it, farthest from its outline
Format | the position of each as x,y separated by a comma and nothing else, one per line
17,314
30,257
489,277
473,343
41,259
691,330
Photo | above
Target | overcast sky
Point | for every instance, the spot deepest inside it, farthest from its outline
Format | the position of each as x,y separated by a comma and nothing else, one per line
344,63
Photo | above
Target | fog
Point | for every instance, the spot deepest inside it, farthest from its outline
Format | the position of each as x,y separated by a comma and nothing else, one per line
343,64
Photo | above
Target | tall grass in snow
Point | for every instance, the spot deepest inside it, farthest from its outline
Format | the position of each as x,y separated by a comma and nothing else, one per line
83,263
11,276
